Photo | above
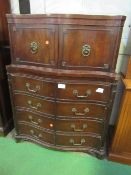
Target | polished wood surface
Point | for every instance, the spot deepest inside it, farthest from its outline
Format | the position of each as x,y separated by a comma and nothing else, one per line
36,104
46,38
61,112
75,39
81,109
62,79
121,145
4,9
6,121
128,72
29,131
74,90
34,118
78,140
66,41
36,85
79,125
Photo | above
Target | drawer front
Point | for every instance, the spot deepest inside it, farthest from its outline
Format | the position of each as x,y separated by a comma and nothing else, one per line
79,125
33,86
35,119
35,45
87,47
86,91
34,133
81,110
78,141
35,104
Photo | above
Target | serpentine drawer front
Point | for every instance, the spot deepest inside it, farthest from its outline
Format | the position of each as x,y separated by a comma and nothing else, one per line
33,85
87,141
62,79
35,104
90,91
34,118
75,118
47,87
34,133
81,109
79,125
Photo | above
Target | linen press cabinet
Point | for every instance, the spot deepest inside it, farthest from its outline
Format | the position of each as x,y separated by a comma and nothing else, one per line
62,78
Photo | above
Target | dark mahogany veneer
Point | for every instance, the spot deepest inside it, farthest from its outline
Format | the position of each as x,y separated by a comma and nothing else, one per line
62,80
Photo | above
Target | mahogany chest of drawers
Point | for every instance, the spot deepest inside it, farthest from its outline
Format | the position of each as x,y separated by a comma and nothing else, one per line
62,80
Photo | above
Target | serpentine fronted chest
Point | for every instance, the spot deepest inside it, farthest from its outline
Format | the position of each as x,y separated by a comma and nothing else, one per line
62,79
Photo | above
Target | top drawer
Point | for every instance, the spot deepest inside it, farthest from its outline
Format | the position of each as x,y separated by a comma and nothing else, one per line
34,85
33,44
87,91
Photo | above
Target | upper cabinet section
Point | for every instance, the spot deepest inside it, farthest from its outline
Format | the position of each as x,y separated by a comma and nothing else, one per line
79,42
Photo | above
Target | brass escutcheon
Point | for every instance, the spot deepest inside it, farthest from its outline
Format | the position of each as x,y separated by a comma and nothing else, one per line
86,49
34,47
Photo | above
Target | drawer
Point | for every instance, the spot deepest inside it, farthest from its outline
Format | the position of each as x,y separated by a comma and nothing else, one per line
87,47
78,141
34,119
31,132
35,104
35,86
81,110
79,125
93,91
33,44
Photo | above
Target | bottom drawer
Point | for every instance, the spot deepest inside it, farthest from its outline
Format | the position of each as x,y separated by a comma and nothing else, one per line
78,141
29,131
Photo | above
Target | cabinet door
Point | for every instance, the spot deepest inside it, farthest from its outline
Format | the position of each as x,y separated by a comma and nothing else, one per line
34,44
87,47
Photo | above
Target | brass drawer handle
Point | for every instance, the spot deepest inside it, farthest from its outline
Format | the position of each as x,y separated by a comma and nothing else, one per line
77,144
86,49
34,107
33,134
74,110
31,120
34,47
84,126
37,88
76,93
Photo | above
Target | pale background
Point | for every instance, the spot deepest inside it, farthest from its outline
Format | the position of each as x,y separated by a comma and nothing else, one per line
97,7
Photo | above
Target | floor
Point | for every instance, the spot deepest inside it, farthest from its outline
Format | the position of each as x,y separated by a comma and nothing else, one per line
26,158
